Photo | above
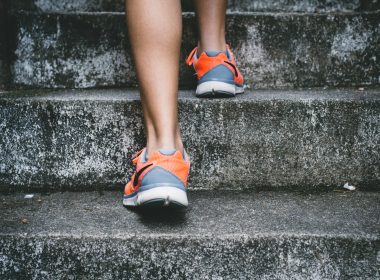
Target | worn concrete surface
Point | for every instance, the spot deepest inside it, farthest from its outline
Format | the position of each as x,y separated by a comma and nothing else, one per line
222,235
273,50
187,5
309,6
4,65
263,140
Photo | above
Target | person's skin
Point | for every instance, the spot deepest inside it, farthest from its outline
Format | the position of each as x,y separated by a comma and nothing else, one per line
155,28
211,15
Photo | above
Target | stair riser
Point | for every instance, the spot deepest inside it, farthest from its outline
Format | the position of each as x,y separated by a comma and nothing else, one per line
261,143
190,258
234,5
274,51
4,64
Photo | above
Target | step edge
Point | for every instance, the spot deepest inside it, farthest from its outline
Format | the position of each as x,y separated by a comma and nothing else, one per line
131,95
196,236
192,14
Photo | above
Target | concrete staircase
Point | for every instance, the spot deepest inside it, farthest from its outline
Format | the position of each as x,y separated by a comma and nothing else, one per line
76,49
223,235
268,167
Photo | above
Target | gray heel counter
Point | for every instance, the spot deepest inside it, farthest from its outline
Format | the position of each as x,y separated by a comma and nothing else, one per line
220,73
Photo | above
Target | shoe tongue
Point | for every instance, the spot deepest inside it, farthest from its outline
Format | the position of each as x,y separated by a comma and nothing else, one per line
143,156
212,53
228,54
167,152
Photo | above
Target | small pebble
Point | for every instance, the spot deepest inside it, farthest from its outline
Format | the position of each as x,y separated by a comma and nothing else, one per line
24,221
361,88
349,187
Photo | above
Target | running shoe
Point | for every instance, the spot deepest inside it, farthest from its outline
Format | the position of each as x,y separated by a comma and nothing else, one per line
217,73
159,180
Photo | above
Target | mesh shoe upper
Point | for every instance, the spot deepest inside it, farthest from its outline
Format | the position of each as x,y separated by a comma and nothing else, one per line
214,67
159,169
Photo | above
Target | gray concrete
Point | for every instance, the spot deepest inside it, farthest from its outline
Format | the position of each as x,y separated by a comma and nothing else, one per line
309,6
273,50
222,235
4,65
298,140
233,5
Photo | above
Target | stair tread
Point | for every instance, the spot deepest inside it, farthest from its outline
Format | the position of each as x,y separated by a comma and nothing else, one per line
241,5
222,214
248,96
191,14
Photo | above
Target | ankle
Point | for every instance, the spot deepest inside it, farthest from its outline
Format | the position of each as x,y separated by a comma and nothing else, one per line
217,46
156,146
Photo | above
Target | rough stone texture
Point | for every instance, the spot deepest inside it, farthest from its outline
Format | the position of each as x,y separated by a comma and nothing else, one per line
72,51
4,65
223,235
273,50
310,6
233,5
262,140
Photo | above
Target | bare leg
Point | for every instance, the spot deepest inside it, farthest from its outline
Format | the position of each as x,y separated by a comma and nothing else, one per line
211,16
155,34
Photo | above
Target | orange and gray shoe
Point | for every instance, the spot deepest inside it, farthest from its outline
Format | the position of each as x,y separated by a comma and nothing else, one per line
217,73
159,180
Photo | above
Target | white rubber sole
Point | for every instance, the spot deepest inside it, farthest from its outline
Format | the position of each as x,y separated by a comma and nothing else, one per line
217,89
160,196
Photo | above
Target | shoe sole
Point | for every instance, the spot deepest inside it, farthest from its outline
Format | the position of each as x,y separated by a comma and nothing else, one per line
215,89
162,196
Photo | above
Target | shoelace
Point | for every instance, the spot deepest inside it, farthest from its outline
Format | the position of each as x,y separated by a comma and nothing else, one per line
135,156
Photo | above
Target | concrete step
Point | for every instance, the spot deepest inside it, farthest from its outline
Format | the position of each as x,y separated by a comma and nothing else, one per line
187,5
4,63
279,50
222,235
272,140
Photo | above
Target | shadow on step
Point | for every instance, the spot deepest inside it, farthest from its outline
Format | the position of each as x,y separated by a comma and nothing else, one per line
152,216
